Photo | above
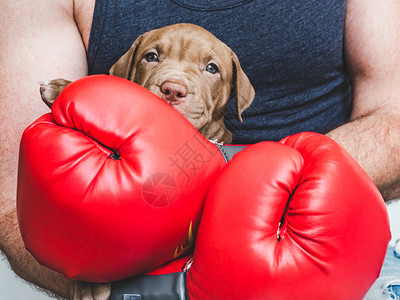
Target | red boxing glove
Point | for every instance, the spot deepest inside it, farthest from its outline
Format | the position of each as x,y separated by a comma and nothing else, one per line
112,183
333,231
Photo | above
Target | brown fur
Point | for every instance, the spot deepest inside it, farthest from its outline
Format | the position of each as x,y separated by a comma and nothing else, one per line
179,75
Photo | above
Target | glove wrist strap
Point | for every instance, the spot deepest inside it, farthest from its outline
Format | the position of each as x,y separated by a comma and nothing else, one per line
151,287
229,151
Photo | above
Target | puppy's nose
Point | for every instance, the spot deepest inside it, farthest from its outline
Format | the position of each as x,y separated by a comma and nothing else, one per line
172,91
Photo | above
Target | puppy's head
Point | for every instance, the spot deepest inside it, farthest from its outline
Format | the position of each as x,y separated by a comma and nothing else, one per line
190,69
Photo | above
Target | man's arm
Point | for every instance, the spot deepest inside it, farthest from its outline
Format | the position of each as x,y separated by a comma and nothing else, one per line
372,47
39,40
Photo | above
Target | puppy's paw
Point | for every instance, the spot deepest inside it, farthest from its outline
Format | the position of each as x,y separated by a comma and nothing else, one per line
49,90
90,291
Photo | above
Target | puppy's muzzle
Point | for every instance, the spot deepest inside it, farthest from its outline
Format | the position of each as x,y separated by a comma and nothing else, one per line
173,92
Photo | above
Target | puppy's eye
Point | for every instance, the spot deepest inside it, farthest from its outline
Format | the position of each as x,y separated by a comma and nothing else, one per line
151,57
212,68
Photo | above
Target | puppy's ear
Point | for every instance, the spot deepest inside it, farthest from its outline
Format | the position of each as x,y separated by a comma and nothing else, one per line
243,89
125,65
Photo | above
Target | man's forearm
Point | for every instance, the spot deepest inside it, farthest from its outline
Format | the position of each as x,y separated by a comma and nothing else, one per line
24,264
374,142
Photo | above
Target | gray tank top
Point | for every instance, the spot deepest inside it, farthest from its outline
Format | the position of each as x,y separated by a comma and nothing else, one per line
292,52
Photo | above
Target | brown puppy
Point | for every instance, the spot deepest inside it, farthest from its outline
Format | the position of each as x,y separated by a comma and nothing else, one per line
189,68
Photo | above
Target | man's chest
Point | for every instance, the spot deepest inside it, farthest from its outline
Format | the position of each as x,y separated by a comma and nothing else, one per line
83,14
